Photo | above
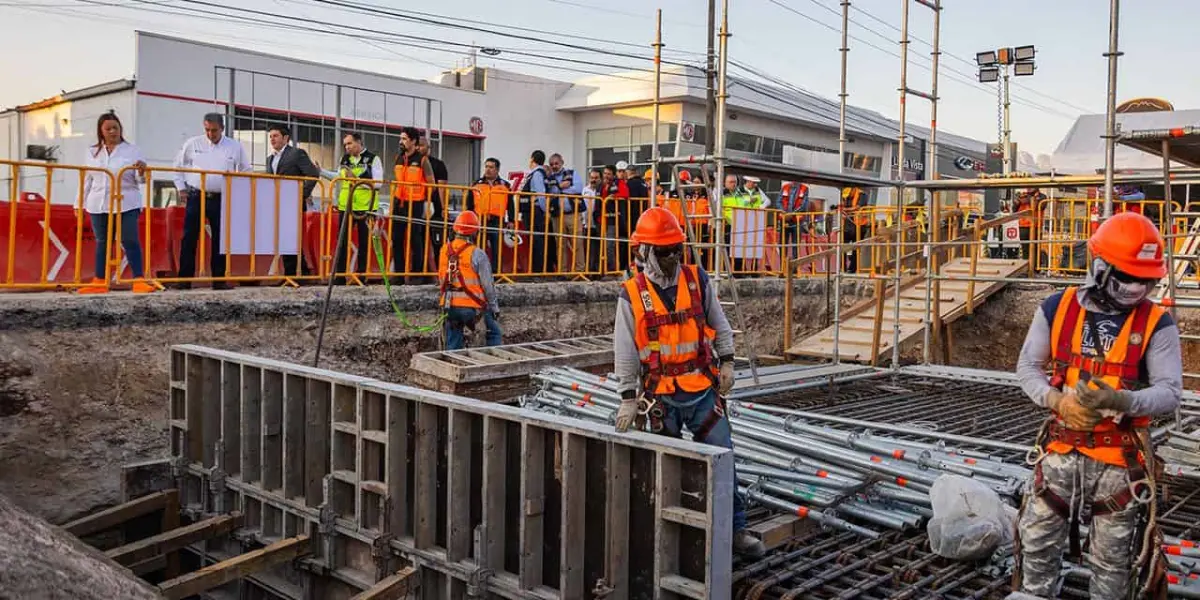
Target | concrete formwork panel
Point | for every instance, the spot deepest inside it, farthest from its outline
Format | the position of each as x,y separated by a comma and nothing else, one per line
483,498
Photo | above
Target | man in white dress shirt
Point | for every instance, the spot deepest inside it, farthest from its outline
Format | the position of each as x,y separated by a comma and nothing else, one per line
212,151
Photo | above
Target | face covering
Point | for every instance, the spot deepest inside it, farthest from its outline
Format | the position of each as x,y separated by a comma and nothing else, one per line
1115,290
668,262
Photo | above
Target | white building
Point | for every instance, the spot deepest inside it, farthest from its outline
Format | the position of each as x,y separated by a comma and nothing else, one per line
470,114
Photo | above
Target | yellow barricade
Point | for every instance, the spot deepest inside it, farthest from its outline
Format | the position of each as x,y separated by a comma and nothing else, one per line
41,233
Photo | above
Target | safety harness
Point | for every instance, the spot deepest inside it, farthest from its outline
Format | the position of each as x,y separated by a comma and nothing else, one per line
653,369
1128,370
460,281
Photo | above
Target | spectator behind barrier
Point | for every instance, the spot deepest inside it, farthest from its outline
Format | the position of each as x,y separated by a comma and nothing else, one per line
290,161
212,151
112,153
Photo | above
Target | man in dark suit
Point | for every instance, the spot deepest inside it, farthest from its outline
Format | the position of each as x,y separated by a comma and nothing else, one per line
293,162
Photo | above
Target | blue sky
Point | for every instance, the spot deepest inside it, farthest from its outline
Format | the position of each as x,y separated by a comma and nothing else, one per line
52,45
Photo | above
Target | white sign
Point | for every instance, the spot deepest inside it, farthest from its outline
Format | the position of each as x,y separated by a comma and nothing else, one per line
1012,234
747,237
271,218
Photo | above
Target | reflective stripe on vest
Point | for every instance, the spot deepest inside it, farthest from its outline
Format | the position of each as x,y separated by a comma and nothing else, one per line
364,195
675,347
491,199
1120,367
460,284
410,179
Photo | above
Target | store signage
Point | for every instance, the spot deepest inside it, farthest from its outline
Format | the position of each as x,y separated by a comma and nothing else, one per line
687,133
476,126
910,164
966,163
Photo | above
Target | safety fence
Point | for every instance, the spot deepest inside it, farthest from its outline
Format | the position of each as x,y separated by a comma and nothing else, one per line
251,228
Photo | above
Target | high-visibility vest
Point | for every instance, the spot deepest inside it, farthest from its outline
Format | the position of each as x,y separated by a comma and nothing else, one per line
1024,203
1120,367
674,206
675,347
460,284
491,199
731,201
410,178
357,167
852,204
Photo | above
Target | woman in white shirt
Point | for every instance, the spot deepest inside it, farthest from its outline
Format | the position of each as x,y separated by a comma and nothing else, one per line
112,153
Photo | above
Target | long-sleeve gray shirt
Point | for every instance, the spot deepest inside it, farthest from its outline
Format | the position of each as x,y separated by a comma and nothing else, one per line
627,363
483,266
1162,359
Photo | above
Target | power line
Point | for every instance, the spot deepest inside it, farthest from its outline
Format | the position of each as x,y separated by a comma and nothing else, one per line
964,78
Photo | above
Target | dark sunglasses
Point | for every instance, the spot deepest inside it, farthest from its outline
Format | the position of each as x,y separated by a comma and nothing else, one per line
669,251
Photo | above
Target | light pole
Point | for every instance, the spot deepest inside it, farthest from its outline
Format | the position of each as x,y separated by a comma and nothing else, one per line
999,64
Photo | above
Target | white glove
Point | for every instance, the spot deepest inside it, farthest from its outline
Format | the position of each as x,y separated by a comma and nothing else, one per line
626,414
726,382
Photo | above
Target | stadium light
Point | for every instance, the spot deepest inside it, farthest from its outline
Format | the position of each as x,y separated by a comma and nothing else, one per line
989,74
986,59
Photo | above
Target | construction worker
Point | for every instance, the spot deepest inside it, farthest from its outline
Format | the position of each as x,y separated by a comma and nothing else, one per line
490,197
360,196
1116,362
793,201
1028,200
673,348
468,292
410,209
855,222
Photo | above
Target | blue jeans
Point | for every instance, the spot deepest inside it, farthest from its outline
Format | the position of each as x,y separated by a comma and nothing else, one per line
689,410
458,319
130,240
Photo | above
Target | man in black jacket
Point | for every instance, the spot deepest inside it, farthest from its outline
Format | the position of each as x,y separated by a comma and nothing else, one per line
291,161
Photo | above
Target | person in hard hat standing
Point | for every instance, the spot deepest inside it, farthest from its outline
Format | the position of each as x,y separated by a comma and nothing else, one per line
673,346
1116,362
468,292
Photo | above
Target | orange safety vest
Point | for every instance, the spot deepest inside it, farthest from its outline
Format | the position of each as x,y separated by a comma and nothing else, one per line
1024,203
460,284
855,212
491,199
410,179
674,206
1119,367
675,347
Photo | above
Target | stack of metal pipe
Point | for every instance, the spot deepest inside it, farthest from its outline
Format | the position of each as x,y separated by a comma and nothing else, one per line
829,470
1179,446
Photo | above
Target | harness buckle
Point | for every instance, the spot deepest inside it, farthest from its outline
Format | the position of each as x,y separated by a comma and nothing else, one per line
648,405
1142,491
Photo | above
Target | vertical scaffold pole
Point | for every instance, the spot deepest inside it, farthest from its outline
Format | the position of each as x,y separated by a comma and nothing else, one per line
838,222
1110,125
654,152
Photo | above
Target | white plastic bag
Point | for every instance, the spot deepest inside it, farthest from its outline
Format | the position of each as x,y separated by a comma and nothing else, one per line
969,519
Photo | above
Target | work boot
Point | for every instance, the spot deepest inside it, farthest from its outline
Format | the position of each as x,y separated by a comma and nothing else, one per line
140,286
97,286
748,545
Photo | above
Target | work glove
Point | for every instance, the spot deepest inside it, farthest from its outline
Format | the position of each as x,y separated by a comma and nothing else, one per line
1103,397
626,413
725,384
1073,414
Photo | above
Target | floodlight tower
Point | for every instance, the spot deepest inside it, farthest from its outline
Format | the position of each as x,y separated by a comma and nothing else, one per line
1000,64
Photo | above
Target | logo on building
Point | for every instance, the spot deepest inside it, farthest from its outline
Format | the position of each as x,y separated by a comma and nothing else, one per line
966,163
687,133
476,126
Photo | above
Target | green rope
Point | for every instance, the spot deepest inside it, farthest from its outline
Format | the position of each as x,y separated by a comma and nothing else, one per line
387,284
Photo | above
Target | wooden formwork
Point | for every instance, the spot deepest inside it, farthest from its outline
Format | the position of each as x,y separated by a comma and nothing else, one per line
501,373
481,498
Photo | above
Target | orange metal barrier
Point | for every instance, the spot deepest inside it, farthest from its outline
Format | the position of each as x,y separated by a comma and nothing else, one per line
1059,244
41,236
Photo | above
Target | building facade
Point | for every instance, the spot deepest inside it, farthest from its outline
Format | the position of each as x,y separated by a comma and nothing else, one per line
469,114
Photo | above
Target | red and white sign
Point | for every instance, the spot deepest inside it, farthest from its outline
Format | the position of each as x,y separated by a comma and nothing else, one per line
476,125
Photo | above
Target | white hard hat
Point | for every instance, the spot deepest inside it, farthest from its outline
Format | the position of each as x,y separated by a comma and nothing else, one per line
622,165
752,178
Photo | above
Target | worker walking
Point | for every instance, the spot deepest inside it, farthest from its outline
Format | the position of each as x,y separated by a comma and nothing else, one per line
468,292
673,347
1116,362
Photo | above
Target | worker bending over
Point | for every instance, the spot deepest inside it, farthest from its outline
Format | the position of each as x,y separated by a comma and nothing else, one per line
468,292
673,344
1116,362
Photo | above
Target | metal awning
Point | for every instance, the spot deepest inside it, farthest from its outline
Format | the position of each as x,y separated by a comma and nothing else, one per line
1182,144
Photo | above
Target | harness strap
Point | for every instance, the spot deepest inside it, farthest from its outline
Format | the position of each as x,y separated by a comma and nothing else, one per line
1128,370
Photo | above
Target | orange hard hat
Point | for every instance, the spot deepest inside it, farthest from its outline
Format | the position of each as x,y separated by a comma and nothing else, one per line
633,239
1131,244
658,227
466,223
648,174
685,176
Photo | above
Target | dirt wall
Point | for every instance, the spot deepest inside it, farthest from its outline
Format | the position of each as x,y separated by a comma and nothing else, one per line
83,379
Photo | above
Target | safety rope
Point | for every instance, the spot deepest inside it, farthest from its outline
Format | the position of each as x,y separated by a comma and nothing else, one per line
387,284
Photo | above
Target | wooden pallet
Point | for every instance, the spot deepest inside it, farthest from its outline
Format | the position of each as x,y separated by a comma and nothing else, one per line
500,373
857,332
